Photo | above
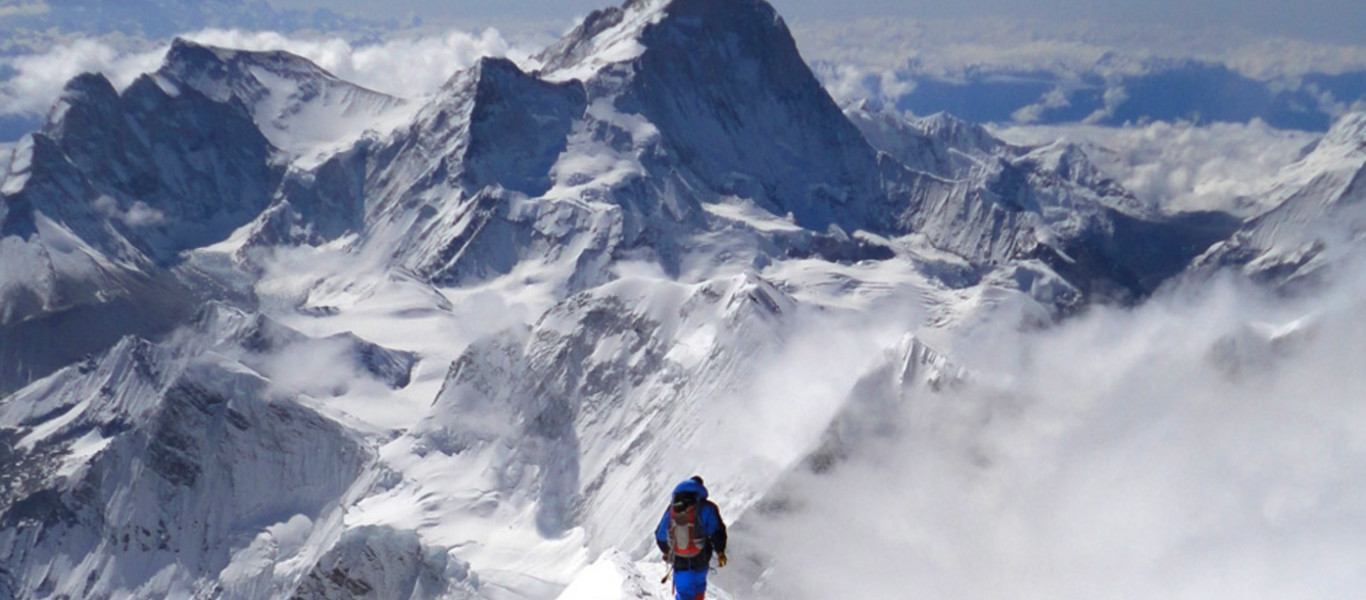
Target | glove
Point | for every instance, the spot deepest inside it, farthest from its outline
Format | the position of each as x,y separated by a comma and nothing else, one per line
721,559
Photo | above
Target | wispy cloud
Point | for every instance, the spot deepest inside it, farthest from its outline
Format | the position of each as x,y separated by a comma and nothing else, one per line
39,78
1207,443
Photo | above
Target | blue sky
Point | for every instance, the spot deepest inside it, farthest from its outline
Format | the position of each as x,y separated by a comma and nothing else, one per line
1333,21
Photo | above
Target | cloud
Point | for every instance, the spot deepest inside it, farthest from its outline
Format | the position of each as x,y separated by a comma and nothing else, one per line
1211,442
884,58
945,47
137,215
1112,99
39,78
23,10
1055,98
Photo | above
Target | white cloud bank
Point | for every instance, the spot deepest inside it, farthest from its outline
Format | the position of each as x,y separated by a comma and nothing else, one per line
1211,443
39,78
947,47
883,57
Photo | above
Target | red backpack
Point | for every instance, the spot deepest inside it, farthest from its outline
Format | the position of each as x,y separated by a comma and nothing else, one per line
685,528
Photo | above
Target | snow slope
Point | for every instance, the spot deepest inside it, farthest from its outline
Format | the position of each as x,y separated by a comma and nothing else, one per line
1315,215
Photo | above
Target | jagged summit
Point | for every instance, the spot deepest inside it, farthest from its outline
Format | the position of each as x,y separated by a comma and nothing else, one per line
605,36
299,106
734,103
620,34
186,56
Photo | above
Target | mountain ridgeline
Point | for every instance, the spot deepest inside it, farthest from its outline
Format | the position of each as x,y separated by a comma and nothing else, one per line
652,205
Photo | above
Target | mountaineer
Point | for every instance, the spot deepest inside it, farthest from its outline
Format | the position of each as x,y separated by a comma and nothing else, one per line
689,533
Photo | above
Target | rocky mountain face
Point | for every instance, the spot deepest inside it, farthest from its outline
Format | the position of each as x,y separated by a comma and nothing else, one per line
156,462
458,350
101,201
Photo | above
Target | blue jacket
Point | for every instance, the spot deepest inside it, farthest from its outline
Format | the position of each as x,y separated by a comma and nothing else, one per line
712,526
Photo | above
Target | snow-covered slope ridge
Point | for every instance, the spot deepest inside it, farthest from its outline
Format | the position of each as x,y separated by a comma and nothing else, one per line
179,469
180,170
118,185
300,107
1317,213
991,202
551,444
446,196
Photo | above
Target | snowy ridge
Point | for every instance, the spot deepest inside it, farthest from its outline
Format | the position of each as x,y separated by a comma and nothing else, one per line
593,383
615,577
301,108
1315,217
908,369
605,37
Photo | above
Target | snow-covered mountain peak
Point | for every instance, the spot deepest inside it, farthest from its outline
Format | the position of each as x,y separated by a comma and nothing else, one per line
193,62
958,132
940,144
1069,162
681,30
1349,132
733,103
606,36
493,124
1316,215
90,92
300,107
